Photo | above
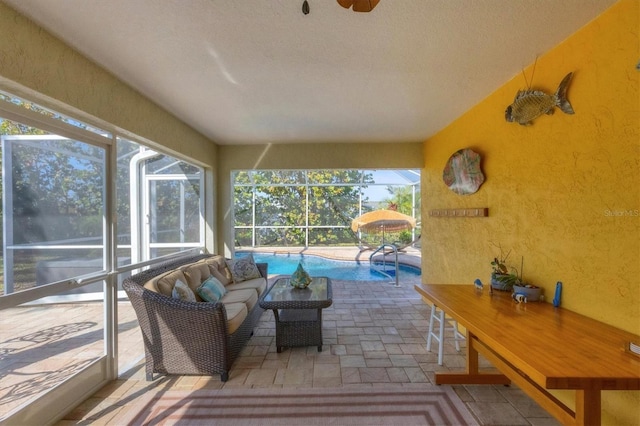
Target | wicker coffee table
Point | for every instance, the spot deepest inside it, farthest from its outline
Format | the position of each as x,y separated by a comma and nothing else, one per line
298,312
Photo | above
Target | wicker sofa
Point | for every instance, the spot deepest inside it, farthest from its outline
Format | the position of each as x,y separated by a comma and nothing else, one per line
194,338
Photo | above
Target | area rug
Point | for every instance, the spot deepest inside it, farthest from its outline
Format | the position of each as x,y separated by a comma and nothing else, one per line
424,405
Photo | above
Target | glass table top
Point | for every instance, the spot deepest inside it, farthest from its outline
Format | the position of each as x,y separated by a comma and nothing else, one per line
318,291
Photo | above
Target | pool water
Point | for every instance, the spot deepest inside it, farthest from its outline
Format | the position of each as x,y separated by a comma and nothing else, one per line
286,264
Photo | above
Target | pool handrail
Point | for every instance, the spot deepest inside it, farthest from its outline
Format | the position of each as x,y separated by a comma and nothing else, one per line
394,250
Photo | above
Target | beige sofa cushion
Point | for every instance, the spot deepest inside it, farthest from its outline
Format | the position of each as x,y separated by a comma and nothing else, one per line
218,268
236,314
239,299
188,274
248,297
257,284
196,273
164,283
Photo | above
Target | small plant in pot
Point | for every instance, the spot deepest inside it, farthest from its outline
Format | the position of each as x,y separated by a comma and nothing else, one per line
501,279
530,291
505,282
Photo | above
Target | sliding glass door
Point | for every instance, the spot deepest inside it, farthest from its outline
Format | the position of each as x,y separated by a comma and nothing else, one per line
81,209
54,254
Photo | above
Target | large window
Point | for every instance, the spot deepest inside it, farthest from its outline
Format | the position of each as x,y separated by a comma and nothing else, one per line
66,186
54,200
305,208
53,192
160,203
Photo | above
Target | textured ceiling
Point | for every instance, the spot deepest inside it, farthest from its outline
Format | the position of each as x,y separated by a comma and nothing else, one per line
258,71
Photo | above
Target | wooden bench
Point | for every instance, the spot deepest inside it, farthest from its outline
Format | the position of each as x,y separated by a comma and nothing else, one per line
539,347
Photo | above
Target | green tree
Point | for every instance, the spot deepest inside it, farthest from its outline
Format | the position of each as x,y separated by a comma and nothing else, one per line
57,184
403,198
63,181
58,190
282,199
8,127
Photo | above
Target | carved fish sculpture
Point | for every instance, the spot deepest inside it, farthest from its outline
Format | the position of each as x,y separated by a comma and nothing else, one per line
531,104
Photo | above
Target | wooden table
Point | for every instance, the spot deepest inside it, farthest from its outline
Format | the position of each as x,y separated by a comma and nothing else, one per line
539,347
298,312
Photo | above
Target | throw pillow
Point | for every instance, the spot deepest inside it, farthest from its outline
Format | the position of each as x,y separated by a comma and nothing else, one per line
181,291
211,290
243,269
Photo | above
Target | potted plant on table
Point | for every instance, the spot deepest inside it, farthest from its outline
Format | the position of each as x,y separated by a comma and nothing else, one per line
530,291
501,279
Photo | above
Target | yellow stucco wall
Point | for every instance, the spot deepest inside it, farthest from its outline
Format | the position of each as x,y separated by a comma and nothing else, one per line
563,193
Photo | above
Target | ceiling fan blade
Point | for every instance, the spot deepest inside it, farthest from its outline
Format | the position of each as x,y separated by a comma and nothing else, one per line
345,3
364,5
359,5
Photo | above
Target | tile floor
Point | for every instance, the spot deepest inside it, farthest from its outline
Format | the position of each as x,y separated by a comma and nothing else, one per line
374,335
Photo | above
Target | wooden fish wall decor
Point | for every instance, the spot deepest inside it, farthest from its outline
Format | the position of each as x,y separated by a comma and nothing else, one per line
531,104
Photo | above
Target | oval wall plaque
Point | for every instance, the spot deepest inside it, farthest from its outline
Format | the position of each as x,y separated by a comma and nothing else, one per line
462,173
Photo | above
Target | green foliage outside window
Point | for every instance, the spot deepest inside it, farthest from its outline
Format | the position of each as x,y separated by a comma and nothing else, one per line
305,207
58,194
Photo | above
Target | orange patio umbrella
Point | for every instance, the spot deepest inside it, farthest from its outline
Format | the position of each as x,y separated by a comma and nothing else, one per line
383,221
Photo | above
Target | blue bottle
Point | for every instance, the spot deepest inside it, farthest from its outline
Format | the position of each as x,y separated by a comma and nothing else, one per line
556,299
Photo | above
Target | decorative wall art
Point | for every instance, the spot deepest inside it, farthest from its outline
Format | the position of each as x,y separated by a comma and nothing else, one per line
531,104
462,173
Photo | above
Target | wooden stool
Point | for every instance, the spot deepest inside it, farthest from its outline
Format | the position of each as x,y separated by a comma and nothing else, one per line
438,315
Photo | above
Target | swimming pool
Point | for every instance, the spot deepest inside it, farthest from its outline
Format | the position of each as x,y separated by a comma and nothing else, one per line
286,264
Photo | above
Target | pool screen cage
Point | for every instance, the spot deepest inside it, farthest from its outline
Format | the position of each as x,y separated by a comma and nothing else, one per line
314,208
159,203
